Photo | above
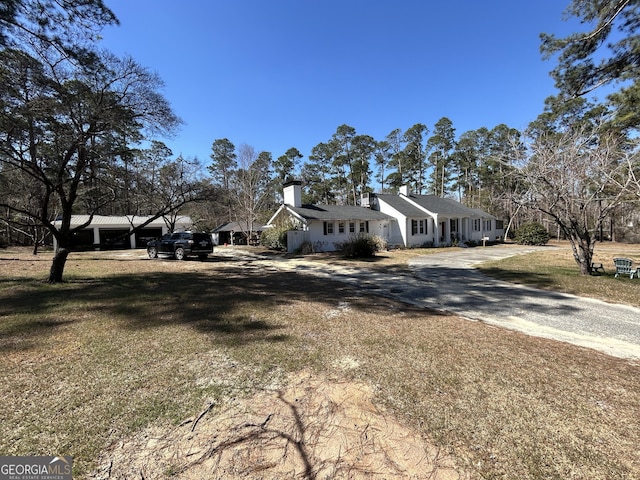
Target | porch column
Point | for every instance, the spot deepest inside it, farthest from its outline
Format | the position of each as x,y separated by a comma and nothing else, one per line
446,234
96,238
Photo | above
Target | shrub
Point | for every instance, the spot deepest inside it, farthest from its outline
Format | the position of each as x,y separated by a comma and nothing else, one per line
275,238
381,243
305,249
360,246
532,234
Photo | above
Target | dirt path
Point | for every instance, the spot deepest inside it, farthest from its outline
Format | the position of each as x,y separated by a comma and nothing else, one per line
313,428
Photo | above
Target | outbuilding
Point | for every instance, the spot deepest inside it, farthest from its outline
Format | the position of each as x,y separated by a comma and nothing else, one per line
106,232
237,233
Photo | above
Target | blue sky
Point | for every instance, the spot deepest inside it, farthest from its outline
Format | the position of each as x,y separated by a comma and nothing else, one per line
275,74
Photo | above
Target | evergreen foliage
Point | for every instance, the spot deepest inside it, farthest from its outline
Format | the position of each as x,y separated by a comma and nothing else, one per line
360,246
607,55
275,237
532,233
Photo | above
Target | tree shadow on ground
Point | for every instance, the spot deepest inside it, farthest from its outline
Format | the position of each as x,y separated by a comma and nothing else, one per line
227,302
539,279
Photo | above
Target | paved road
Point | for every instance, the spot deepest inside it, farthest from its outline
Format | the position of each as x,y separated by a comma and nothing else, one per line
447,281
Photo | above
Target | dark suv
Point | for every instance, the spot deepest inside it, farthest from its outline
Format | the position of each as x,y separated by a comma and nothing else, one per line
181,245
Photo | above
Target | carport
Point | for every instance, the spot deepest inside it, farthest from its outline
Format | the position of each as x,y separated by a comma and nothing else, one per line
106,232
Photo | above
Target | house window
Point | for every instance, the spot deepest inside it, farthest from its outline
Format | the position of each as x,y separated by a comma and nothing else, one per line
363,227
352,227
418,226
328,228
476,224
487,224
341,227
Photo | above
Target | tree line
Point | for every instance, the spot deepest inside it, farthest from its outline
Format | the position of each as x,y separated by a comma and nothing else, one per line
473,168
81,130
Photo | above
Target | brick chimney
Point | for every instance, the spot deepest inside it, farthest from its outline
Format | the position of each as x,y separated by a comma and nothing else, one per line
293,193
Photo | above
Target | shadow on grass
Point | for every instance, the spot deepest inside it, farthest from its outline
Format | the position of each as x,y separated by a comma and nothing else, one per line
513,276
232,305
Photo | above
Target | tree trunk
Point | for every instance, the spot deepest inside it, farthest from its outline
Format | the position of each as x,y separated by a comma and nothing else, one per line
36,240
582,253
57,266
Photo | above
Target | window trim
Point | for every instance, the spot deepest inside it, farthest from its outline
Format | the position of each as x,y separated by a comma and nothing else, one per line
329,228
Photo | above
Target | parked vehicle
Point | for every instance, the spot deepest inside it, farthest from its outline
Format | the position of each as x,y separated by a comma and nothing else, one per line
181,245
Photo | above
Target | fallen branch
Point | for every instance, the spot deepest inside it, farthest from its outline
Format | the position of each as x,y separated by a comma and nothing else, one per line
204,412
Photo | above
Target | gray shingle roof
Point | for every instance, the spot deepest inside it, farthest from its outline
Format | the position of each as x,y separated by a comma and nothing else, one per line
337,212
238,227
444,206
401,205
121,220
432,203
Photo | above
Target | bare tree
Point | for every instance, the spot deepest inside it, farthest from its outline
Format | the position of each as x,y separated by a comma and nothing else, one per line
250,186
577,177
58,123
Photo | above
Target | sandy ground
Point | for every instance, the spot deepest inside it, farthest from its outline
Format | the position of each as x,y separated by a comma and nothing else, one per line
313,428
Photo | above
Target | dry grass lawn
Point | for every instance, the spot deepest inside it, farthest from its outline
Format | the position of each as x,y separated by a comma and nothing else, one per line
131,352
555,269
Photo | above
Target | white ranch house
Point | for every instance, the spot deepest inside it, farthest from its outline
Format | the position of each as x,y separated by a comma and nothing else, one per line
401,220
